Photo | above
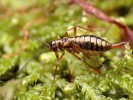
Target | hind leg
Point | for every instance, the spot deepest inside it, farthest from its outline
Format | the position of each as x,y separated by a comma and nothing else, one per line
77,48
74,50
83,60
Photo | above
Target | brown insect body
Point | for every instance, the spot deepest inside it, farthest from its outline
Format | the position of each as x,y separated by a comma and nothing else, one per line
86,44
89,43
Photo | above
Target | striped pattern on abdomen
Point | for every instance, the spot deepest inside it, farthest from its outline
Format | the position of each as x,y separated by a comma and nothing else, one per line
90,42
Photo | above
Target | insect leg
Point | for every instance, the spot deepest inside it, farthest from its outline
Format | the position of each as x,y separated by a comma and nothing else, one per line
74,49
57,63
81,27
75,30
56,54
81,59
94,60
86,55
67,31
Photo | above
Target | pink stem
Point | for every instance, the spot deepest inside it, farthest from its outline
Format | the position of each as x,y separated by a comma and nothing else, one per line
89,8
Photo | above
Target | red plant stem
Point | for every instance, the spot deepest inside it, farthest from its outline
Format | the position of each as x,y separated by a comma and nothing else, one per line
22,46
26,34
89,8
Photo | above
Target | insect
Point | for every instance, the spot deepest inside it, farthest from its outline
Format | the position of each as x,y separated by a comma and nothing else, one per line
86,44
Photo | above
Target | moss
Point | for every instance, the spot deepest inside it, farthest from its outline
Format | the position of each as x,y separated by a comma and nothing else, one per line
74,79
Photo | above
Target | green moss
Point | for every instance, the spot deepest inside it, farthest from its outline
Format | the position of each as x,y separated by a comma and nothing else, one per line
74,79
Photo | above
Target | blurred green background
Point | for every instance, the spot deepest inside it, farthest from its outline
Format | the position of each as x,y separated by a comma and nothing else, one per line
46,20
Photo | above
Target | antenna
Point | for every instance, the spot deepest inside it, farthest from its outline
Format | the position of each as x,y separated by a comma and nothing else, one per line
30,60
30,36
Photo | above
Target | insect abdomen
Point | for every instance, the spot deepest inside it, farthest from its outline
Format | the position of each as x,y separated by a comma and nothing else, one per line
90,42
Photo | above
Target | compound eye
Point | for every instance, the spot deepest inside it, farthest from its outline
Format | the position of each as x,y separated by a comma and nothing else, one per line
53,45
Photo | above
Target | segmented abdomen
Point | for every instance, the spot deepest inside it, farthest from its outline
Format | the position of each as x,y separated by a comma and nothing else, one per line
90,42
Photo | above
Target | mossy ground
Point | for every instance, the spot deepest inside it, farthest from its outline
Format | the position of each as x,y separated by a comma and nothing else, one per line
74,79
